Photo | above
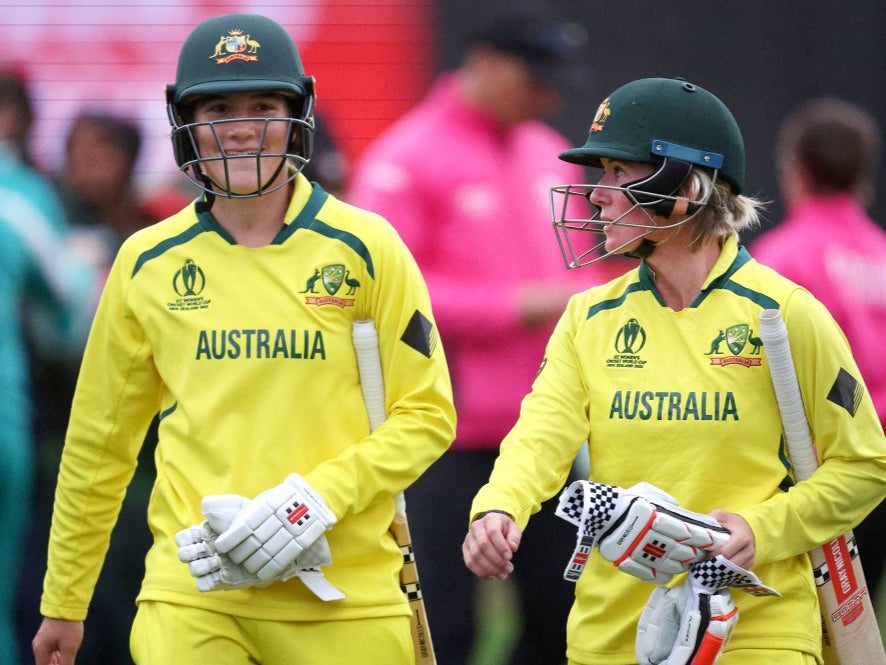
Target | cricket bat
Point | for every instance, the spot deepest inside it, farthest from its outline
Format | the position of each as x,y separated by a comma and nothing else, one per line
373,387
850,632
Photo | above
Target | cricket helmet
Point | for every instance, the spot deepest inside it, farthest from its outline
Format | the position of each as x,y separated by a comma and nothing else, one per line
672,124
240,53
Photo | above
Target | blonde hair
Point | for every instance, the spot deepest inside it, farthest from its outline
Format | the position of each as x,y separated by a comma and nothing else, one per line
725,214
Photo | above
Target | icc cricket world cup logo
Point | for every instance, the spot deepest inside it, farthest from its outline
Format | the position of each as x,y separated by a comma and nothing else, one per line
189,280
631,338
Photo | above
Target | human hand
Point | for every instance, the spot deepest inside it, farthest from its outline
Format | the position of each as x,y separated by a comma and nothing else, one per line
740,549
57,642
490,545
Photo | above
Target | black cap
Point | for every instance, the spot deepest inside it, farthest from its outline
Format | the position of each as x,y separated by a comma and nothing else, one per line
555,50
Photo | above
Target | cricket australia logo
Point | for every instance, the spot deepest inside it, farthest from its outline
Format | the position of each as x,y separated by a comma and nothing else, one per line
188,283
332,278
629,340
737,338
603,112
235,46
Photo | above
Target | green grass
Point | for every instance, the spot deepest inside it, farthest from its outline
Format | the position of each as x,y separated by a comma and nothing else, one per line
497,623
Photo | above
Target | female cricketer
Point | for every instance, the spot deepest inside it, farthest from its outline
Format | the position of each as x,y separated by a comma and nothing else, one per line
232,319
663,373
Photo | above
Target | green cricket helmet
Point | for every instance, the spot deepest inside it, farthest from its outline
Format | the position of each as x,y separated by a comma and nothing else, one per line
240,53
672,124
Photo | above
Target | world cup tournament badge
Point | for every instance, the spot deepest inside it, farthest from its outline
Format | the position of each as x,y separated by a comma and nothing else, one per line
188,283
235,46
629,340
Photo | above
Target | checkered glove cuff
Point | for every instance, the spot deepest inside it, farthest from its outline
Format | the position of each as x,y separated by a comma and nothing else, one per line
717,573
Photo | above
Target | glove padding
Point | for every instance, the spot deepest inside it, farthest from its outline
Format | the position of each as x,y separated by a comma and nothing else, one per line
216,571
685,625
642,530
273,529
691,624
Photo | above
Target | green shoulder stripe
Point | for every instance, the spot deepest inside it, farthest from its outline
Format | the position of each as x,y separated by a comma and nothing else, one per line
612,303
307,219
166,245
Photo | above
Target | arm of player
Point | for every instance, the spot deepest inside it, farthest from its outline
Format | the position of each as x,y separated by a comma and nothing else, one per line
490,544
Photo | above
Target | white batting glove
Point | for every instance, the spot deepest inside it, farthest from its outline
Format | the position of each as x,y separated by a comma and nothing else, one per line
685,625
274,528
642,530
215,571
691,624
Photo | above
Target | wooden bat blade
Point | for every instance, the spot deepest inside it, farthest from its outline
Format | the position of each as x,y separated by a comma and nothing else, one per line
850,632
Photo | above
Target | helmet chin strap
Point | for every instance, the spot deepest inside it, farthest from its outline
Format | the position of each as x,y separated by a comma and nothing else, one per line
205,204
643,250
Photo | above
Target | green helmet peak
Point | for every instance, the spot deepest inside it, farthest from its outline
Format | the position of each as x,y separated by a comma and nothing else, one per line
653,118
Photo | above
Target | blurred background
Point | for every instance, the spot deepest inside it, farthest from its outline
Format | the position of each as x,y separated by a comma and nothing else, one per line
374,60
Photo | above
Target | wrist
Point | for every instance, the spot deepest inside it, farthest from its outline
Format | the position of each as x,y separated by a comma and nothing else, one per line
487,512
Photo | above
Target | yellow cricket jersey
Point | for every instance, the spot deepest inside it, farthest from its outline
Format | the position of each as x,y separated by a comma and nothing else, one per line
247,355
684,400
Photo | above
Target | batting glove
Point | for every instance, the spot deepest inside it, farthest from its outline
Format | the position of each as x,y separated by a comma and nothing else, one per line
215,571
691,624
685,625
273,529
641,530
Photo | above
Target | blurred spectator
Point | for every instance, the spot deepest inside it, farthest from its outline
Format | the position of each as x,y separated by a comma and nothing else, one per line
17,116
329,165
827,154
95,181
96,187
465,179
37,270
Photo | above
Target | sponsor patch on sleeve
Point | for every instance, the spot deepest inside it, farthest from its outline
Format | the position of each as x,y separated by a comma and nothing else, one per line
420,334
846,392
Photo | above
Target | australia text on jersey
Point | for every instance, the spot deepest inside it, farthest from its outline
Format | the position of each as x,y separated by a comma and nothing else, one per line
260,343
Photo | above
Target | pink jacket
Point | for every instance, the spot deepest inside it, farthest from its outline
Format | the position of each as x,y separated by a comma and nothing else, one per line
829,245
471,200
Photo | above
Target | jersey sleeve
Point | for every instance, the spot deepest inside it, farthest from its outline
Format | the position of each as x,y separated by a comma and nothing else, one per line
116,397
848,436
536,455
418,393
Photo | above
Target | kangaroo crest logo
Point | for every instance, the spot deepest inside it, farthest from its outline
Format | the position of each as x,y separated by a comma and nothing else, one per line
736,337
332,277
235,46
